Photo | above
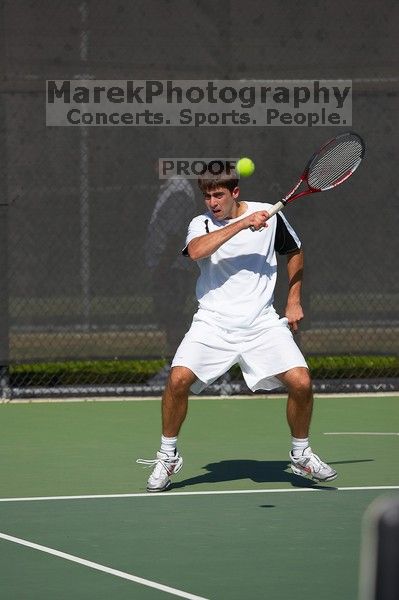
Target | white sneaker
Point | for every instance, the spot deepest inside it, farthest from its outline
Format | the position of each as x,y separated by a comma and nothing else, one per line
164,467
310,466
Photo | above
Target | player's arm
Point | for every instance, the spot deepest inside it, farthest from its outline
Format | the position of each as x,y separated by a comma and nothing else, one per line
293,309
205,245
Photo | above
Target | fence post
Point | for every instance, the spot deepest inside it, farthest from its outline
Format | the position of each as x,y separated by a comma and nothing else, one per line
4,308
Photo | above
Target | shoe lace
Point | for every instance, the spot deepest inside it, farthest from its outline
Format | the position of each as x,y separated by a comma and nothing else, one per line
147,463
317,462
310,457
164,462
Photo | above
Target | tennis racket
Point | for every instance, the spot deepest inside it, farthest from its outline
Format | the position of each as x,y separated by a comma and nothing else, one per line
330,166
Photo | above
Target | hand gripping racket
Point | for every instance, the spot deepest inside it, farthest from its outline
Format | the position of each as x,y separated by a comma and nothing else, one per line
330,166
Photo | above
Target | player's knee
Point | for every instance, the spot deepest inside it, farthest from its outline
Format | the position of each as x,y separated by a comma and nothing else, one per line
180,379
301,381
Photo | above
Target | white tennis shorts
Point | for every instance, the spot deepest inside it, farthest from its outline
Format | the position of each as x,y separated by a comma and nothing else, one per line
263,351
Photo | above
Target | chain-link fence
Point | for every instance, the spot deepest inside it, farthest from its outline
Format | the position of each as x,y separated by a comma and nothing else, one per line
90,237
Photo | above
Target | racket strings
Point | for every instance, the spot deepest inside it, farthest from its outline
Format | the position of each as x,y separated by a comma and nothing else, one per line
328,173
334,162
330,167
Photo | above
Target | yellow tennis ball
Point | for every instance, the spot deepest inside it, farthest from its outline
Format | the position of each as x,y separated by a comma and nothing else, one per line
245,167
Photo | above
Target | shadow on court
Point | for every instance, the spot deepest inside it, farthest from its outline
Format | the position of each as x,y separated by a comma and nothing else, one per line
259,471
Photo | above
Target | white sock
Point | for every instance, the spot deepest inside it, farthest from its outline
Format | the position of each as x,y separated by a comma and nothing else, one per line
299,445
168,445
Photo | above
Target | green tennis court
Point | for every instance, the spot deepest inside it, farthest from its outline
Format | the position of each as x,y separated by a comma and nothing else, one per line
76,521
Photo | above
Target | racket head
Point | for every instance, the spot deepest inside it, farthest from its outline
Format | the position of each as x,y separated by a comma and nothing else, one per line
335,162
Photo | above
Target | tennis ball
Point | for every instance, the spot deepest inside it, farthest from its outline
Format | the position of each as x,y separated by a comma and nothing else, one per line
245,167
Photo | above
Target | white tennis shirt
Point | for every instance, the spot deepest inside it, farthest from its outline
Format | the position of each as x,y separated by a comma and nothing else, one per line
236,283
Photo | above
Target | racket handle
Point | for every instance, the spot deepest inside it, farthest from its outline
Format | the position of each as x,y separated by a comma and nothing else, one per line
272,211
275,208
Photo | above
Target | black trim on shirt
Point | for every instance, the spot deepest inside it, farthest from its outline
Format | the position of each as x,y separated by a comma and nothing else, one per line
185,250
284,242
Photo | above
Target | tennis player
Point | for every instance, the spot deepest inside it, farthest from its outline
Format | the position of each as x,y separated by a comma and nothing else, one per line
235,245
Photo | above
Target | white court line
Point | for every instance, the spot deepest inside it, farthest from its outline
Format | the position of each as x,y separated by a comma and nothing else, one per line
205,493
360,433
103,568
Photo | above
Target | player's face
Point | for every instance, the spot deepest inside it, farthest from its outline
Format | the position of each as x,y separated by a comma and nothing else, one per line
222,203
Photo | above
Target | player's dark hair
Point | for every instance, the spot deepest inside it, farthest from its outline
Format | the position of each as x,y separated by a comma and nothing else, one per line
227,179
